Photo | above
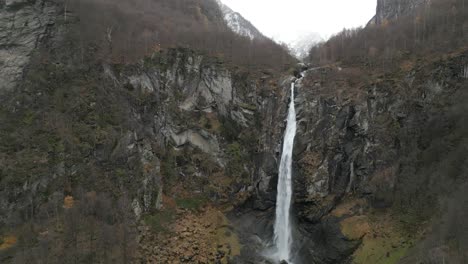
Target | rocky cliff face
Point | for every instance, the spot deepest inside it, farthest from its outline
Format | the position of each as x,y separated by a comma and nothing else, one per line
186,100
368,143
392,9
23,24
175,128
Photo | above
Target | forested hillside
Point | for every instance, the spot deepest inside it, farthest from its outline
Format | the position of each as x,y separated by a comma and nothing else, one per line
121,121
391,166
438,27
128,30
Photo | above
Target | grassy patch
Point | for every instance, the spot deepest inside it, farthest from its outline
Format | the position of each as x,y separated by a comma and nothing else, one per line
347,207
193,203
382,250
159,222
236,161
225,235
355,227
383,242
250,107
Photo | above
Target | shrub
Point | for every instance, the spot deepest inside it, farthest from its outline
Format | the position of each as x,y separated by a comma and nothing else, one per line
229,129
193,203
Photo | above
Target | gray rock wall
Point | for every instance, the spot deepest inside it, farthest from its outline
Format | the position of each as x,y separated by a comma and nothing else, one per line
369,144
392,9
23,24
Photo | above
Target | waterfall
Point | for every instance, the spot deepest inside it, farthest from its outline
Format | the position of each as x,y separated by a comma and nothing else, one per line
282,228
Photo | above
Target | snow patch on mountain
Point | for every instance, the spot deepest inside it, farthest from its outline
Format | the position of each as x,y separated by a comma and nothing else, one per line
237,23
298,47
301,46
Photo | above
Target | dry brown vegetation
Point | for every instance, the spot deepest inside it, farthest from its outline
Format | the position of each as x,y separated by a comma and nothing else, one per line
127,30
192,236
438,27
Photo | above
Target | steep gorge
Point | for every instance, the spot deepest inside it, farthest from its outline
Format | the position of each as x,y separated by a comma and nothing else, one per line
175,157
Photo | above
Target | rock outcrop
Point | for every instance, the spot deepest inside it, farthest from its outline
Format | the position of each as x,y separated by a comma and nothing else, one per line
393,9
360,142
23,24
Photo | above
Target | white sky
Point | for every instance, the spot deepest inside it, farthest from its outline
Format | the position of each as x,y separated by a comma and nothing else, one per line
286,20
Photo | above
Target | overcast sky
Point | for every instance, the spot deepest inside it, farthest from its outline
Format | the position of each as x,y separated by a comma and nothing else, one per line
287,20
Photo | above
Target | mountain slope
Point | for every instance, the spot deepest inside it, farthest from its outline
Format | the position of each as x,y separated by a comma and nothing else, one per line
129,117
384,151
129,30
238,24
301,46
388,10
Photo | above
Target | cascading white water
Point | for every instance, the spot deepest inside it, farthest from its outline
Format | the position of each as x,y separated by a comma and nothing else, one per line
282,228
